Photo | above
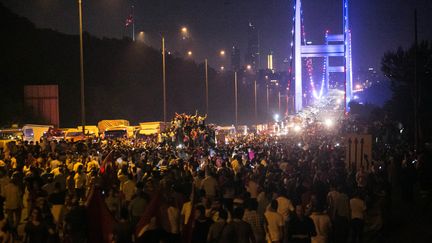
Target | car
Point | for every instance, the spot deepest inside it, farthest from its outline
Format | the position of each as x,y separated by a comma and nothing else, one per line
10,135
74,135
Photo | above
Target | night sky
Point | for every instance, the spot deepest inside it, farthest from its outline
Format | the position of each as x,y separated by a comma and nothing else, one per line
377,25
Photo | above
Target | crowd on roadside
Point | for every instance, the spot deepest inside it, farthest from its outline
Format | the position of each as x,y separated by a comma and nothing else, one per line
258,189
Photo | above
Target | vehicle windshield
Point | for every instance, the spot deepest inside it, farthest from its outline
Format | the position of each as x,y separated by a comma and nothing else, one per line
115,134
5,135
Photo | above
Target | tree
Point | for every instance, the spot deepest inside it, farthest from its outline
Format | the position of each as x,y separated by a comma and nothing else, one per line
399,66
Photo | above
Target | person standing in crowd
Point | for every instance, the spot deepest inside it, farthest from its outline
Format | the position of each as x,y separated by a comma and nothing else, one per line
201,225
323,225
76,230
358,208
35,229
301,228
173,214
123,230
339,211
137,207
13,202
128,189
80,179
217,233
274,223
256,220
209,185
240,230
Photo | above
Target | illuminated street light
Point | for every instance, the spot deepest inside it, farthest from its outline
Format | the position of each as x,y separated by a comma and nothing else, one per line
248,67
222,68
184,33
189,53
276,117
222,53
328,122
141,36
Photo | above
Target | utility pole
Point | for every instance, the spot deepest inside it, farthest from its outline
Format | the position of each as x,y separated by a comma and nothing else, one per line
236,100
206,86
83,120
255,101
268,100
279,102
416,90
164,80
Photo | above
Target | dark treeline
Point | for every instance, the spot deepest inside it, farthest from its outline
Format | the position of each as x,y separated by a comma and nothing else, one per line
123,79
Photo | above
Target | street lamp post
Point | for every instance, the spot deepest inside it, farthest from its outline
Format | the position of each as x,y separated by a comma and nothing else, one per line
235,96
83,120
206,86
268,101
164,80
279,102
255,101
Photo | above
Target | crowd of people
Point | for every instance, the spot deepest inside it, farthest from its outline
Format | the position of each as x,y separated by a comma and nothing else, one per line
260,188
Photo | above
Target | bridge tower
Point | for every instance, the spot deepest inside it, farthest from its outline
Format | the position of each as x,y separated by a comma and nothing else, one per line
336,45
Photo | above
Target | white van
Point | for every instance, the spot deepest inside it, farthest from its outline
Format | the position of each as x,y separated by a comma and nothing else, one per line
33,132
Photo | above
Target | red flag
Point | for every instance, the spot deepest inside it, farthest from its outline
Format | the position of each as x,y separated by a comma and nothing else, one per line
108,159
99,219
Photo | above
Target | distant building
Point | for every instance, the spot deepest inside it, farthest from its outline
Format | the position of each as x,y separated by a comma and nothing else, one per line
43,102
366,77
252,56
270,61
235,58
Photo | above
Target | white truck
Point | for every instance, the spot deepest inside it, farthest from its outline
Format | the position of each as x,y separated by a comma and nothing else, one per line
33,132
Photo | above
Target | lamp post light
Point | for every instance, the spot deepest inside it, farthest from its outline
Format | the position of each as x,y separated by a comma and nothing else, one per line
267,99
83,120
279,102
236,100
184,32
206,86
164,80
255,101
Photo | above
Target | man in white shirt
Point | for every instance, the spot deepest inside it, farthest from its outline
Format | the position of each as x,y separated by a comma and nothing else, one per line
358,208
55,163
13,202
209,184
80,180
339,212
173,214
285,206
128,189
323,226
274,223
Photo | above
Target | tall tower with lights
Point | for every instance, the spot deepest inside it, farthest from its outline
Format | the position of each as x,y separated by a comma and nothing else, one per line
336,45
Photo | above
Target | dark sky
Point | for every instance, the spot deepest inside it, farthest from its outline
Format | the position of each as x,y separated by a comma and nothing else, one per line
377,25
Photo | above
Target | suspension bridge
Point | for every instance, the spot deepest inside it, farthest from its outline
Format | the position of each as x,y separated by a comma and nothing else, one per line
335,46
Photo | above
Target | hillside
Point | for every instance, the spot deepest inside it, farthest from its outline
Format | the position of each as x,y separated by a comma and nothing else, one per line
123,79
